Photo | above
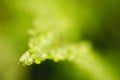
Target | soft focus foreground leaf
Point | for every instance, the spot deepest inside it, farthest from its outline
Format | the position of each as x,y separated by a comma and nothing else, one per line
58,35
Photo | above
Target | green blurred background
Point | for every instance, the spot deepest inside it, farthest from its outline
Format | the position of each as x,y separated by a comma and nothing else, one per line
95,20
